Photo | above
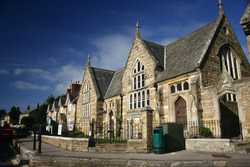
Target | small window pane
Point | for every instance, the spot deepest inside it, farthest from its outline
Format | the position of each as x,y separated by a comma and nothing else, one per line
134,71
138,66
179,87
139,99
134,82
172,89
148,98
142,68
139,83
143,99
142,80
186,86
135,100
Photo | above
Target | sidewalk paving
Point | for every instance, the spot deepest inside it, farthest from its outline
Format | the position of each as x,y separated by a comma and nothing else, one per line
219,158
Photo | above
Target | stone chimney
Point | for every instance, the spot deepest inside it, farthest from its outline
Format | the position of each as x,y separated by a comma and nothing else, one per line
75,88
28,107
37,106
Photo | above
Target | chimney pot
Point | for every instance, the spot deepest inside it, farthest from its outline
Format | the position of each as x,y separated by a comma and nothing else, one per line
28,107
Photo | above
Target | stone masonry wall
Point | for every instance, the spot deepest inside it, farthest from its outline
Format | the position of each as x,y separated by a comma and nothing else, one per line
217,145
71,144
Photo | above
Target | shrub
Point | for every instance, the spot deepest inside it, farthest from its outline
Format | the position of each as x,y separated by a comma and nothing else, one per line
206,132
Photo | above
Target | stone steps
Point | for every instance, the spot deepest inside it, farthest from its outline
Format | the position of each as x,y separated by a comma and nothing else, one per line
107,147
242,146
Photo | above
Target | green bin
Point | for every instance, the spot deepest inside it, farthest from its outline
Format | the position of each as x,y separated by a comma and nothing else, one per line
158,143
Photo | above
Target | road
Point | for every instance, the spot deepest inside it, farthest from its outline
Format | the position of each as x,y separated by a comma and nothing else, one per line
8,154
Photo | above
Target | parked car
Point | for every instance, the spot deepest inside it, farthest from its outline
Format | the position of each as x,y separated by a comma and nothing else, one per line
16,131
7,134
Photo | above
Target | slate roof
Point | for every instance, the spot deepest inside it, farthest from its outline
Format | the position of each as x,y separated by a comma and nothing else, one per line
246,16
28,111
115,87
62,101
157,51
187,53
72,96
103,79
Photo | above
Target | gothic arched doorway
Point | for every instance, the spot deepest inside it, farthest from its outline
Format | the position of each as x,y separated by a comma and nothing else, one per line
181,111
229,116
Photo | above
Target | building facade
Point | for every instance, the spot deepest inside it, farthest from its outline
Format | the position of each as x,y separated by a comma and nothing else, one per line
202,76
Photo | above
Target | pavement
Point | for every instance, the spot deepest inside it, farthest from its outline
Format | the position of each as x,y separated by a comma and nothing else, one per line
59,157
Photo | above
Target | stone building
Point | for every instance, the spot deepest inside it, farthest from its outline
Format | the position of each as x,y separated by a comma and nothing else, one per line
29,113
202,76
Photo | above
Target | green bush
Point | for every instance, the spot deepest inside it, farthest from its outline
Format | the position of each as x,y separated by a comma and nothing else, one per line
206,132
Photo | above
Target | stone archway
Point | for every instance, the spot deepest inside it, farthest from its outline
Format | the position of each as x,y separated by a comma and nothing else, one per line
181,111
230,126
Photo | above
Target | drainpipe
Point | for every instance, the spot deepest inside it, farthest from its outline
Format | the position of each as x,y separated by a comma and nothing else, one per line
121,103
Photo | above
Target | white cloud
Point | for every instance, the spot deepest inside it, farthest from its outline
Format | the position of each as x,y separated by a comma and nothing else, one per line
4,72
26,85
167,41
112,51
18,71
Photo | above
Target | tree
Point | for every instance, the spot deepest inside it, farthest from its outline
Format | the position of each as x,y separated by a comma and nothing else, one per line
28,122
14,115
41,115
2,113
62,96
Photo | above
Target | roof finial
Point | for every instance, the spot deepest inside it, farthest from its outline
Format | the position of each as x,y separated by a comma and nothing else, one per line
88,59
220,4
137,28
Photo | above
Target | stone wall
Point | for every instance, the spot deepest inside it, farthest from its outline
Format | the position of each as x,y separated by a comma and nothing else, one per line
68,143
217,145
137,146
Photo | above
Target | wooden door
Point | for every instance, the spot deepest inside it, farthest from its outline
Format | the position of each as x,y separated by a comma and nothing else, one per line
181,111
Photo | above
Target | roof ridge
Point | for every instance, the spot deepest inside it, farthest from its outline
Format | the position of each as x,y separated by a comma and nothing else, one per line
192,33
102,69
153,43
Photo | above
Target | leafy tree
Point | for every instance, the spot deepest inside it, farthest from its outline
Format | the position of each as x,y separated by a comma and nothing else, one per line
2,113
14,115
28,122
62,96
41,115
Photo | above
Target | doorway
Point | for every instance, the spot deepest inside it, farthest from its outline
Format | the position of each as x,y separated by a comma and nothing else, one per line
230,126
111,119
181,112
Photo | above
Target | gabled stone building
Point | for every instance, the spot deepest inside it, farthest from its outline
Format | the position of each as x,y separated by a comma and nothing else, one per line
202,76
29,113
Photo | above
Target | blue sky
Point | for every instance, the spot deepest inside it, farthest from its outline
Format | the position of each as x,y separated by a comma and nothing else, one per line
45,43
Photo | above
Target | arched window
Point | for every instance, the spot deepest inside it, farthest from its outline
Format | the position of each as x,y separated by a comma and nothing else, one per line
186,86
230,62
138,75
172,89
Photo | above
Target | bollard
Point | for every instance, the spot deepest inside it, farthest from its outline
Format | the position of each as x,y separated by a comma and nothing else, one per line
40,139
34,141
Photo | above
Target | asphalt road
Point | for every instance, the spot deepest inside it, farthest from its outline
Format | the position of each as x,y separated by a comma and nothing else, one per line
7,154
